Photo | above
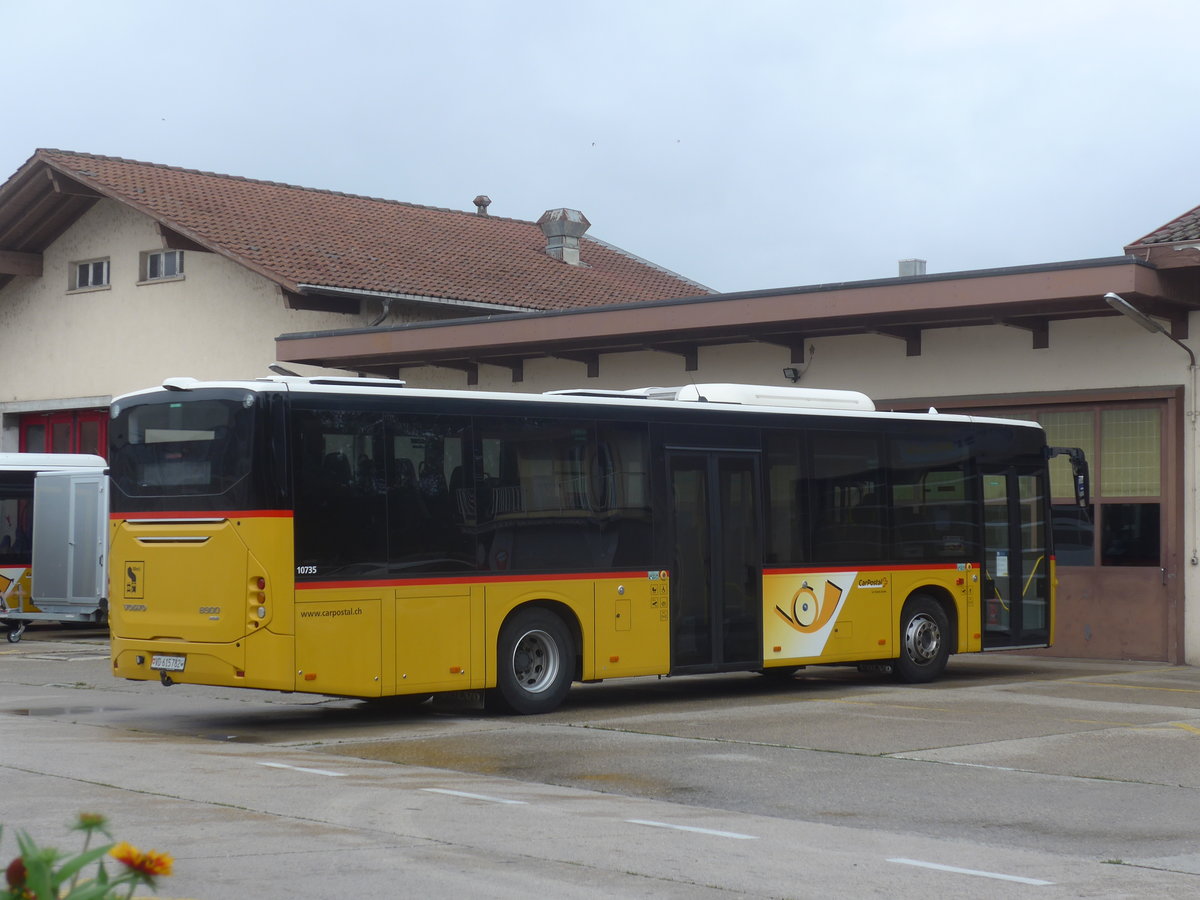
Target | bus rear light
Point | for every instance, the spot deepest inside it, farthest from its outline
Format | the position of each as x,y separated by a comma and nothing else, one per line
262,583
262,612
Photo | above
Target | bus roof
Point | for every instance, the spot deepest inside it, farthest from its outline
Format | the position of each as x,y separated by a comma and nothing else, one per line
49,462
714,397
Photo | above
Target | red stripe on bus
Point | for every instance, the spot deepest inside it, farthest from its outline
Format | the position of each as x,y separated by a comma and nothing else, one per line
488,578
816,570
205,514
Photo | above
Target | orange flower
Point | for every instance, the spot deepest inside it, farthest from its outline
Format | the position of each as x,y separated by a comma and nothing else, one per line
151,863
156,863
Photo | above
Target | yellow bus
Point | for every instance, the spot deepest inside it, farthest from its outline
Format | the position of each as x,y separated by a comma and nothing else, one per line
356,537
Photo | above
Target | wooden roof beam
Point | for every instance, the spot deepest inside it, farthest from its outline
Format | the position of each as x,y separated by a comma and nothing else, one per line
470,367
319,302
14,263
29,220
793,342
1039,328
514,364
173,240
591,360
689,352
1177,316
69,186
910,336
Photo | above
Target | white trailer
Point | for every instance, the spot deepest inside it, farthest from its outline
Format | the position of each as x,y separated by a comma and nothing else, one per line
53,539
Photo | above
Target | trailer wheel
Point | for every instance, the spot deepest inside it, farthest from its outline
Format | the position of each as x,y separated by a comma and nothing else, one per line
924,640
535,661
15,632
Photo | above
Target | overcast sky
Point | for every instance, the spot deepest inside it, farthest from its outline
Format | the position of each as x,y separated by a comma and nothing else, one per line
746,145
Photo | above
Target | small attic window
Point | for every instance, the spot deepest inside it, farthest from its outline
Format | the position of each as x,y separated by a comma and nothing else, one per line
161,265
88,275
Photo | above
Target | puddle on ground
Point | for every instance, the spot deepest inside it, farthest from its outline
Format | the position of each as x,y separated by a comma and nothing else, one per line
232,738
64,710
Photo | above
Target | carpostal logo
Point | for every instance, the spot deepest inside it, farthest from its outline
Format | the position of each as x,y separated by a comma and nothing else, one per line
872,581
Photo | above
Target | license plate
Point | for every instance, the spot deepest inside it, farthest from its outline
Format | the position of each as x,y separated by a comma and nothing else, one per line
162,663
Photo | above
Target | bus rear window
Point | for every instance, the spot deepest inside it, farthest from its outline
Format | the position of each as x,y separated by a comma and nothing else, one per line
196,447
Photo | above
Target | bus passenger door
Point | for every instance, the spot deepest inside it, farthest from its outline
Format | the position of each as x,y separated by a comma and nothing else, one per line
1016,574
716,569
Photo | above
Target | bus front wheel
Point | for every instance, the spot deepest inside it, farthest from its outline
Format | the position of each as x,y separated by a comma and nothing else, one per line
924,640
535,663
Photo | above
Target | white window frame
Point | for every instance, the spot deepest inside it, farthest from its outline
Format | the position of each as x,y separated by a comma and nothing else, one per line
154,263
89,275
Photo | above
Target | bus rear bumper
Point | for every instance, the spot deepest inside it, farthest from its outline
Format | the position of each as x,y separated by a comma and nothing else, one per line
184,663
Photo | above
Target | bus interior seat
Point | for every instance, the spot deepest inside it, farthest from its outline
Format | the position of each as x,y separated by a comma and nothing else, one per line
336,468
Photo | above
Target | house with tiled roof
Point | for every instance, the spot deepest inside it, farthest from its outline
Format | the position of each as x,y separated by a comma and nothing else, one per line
115,274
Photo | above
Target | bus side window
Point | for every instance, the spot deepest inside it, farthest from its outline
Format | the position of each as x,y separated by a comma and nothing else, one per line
787,507
429,526
340,520
847,516
933,520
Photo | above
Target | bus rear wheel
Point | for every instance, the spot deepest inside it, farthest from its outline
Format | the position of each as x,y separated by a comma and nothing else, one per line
924,640
535,662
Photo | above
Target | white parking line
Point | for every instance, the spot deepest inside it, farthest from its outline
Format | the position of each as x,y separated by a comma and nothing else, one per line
997,875
474,796
274,765
728,834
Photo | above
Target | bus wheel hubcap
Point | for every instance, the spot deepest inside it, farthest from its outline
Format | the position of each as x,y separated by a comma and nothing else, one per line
535,661
922,639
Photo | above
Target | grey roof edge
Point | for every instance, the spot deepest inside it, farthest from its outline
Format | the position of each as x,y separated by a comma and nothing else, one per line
280,184
652,265
1100,262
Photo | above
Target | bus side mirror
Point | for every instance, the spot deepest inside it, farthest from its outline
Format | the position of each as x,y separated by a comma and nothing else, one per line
1079,472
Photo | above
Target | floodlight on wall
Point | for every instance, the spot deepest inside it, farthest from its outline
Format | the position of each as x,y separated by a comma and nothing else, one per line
1127,309
792,374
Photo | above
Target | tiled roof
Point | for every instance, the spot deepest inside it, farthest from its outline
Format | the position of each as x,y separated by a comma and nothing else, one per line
302,236
1183,228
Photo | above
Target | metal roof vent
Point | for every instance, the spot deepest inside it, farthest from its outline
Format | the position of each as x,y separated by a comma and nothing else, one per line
911,267
482,202
563,228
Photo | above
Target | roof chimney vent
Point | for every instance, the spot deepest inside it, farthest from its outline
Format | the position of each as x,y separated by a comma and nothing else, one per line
482,202
563,228
911,267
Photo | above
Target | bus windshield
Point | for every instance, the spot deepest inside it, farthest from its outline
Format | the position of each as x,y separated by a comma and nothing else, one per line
184,449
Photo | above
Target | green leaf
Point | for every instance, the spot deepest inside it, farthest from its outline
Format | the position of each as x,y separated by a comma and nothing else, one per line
90,890
71,866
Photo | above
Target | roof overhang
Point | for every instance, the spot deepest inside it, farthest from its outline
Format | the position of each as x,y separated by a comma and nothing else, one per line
1028,298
